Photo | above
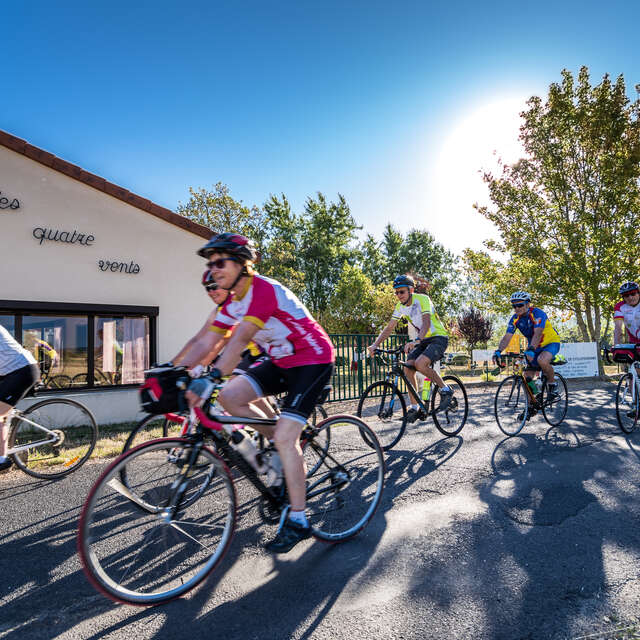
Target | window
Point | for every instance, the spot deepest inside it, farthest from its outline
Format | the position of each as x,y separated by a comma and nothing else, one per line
84,346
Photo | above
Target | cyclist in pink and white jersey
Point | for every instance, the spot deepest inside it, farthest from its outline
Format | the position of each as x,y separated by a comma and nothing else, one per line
626,315
301,362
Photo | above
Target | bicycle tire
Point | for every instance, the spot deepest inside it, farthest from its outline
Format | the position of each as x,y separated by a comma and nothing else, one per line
120,532
625,404
76,427
459,398
344,494
513,420
60,381
562,405
151,427
376,408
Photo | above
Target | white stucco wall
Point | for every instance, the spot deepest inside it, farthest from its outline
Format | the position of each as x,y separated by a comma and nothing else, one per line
170,271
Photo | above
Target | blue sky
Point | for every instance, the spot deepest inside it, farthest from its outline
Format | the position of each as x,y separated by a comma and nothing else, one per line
396,106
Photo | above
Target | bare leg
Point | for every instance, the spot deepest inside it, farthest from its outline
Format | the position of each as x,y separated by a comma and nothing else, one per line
4,431
411,376
423,365
237,397
287,441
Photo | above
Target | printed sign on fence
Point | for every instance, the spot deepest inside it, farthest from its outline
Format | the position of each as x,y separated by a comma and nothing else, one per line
582,359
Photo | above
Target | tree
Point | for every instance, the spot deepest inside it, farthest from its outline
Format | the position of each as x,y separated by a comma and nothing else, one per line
569,212
357,305
372,260
474,328
217,210
327,233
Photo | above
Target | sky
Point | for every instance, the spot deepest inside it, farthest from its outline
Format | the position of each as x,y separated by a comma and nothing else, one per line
397,106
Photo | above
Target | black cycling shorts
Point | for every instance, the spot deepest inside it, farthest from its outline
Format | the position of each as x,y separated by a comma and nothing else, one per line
249,360
14,386
433,348
302,384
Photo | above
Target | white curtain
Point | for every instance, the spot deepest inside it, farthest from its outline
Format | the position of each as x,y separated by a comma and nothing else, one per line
136,350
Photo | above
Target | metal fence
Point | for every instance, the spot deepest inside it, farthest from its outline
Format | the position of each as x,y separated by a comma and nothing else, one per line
355,370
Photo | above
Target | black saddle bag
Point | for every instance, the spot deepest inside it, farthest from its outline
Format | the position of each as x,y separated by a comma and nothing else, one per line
163,390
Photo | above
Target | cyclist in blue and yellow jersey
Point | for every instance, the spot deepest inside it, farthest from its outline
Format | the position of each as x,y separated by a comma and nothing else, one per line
534,325
429,339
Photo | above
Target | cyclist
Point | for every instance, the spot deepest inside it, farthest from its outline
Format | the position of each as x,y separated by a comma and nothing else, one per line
18,373
543,341
627,314
301,363
429,339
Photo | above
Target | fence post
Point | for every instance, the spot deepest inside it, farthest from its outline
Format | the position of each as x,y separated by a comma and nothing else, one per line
360,364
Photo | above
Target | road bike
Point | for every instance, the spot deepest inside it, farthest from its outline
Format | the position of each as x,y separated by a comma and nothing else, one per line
515,402
628,390
51,438
162,532
382,405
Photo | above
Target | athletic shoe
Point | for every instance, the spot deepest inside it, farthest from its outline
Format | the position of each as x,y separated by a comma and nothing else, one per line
5,464
446,396
413,415
288,536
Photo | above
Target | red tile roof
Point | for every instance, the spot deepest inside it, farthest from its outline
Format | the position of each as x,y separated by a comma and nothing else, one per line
77,173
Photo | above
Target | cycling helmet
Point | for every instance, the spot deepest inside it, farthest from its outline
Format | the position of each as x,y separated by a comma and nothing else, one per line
403,281
208,282
628,287
520,296
232,243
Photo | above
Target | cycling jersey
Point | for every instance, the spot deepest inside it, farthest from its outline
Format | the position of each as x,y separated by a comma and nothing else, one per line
252,348
286,330
534,319
420,304
631,317
13,355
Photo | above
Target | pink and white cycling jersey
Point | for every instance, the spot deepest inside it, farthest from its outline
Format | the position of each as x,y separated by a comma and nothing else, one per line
631,317
287,331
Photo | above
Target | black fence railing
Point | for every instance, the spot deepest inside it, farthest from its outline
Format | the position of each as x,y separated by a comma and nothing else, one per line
355,370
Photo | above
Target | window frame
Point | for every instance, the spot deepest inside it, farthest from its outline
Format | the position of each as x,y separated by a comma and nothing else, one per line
20,308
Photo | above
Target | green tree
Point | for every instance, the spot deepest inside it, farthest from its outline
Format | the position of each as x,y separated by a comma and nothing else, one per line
327,235
569,212
216,209
372,260
357,305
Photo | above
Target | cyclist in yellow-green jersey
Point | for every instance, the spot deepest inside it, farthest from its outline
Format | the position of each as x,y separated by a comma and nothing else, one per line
429,338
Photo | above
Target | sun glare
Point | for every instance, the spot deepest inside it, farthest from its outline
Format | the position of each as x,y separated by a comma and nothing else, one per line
473,146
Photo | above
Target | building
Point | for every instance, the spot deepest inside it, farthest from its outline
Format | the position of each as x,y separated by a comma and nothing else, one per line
96,281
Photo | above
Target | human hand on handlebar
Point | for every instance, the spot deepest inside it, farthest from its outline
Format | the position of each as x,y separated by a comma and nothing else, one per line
372,349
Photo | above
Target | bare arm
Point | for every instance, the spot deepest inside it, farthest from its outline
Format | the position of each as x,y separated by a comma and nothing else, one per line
536,339
238,342
506,339
201,349
618,330
384,334
201,333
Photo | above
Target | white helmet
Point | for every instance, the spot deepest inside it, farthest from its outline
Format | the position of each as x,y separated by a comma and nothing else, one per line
520,296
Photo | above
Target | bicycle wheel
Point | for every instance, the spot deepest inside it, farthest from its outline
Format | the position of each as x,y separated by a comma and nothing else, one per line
137,552
554,409
319,414
346,490
627,404
383,408
61,381
511,405
450,421
53,455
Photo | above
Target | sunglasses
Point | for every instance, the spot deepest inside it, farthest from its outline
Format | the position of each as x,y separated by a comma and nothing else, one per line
219,263
631,293
212,286
400,292
519,305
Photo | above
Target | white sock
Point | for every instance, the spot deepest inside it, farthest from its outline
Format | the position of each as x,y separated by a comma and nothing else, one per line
446,388
3,458
413,406
299,517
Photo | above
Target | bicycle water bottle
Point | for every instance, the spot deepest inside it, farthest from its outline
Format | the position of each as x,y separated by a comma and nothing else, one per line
533,385
248,450
426,386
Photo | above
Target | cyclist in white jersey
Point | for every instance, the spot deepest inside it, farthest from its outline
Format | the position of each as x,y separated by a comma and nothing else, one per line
429,339
18,373
626,315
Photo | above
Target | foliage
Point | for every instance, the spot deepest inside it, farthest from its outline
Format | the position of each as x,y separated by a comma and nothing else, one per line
568,212
357,305
217,210
474,328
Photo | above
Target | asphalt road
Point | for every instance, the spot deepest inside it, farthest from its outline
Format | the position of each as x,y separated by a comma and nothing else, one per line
477,536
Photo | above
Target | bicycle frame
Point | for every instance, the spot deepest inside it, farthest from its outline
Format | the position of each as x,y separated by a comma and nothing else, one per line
32,445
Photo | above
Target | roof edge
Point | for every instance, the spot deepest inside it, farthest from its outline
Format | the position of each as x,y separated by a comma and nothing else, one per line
120,193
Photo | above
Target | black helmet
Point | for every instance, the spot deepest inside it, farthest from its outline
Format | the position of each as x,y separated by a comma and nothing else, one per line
403,281
628,287
208,282
231,243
